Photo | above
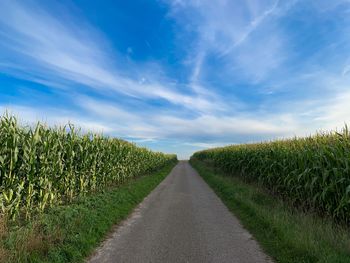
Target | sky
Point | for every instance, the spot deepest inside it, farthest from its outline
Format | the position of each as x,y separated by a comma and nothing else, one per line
178,76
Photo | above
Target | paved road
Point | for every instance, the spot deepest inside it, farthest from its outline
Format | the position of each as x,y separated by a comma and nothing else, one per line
182,220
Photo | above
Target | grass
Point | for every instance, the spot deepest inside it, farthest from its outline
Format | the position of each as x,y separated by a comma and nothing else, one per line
3,232
285,233
70,233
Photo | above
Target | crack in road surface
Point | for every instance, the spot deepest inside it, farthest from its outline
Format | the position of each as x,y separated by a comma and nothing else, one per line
182,220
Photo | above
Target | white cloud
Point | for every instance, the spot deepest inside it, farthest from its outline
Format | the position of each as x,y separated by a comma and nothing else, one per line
202,145
161,125
332,113
104,109
54,117
228,128
205,131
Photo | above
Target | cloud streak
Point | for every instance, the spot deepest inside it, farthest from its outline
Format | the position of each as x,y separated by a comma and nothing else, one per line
50,51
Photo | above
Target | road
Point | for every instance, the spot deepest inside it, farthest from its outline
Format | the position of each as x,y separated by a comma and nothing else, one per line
182,220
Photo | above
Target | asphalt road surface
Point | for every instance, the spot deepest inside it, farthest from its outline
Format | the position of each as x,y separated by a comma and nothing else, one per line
182,220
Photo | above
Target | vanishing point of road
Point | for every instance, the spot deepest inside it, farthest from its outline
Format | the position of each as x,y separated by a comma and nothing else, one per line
182,220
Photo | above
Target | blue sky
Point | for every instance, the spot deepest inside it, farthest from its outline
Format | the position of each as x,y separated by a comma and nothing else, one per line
178,75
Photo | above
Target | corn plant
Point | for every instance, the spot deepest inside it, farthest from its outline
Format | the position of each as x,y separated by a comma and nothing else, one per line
43,166
312,172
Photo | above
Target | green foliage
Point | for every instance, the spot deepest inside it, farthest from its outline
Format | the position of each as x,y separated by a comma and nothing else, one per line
41,167
71,232
313,172
286,233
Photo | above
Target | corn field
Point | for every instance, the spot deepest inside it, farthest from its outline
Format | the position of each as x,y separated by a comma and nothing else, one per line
313,172
41,166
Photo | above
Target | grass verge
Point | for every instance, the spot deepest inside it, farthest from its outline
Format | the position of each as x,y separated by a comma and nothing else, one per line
70,233
286,234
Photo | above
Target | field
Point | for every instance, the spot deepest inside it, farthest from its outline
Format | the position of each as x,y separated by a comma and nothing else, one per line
313,172
41,167
62,190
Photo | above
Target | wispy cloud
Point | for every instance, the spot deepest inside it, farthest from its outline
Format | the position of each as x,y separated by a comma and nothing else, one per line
253,24
54,117
52,50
